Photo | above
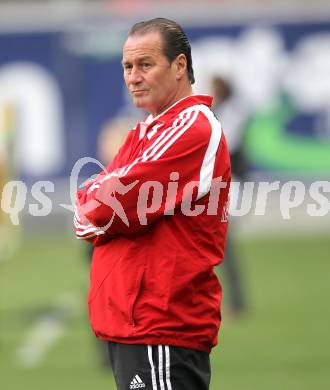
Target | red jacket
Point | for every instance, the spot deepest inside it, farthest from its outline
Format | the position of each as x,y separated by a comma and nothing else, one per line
158,222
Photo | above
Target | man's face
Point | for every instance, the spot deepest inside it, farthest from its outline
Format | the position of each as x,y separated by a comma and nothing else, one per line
150,79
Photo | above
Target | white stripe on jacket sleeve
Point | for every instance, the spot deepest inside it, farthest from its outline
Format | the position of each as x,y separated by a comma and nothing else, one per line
207,168
177,135
166,135
184,121
165,140
85,231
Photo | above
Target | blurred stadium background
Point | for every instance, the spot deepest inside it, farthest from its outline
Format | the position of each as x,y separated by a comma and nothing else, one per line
61,83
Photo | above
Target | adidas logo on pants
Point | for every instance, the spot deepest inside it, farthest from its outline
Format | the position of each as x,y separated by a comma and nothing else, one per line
137,383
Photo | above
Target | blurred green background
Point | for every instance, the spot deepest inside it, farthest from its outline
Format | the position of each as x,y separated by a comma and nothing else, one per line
280,342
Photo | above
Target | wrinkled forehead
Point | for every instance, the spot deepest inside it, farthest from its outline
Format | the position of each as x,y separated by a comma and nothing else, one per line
148,44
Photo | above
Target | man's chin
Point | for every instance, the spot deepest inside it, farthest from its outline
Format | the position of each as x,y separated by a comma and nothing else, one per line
141,103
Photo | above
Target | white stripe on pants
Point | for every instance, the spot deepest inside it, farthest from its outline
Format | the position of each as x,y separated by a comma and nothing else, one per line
160,368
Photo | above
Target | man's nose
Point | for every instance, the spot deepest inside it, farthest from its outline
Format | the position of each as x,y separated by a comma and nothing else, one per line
135,75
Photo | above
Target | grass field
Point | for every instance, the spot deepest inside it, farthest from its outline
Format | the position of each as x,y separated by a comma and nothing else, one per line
281,342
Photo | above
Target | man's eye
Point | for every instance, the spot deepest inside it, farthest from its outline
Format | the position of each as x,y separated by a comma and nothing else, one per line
127,67
146,65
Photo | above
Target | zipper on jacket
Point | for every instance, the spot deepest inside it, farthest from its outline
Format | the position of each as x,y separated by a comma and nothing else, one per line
134,300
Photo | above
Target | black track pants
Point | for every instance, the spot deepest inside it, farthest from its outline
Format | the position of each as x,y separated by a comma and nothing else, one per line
159,367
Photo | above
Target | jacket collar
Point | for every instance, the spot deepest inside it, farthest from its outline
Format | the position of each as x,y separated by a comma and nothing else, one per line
172,111
178,106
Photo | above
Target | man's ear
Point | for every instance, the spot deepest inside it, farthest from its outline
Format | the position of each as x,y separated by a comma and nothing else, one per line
181,66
